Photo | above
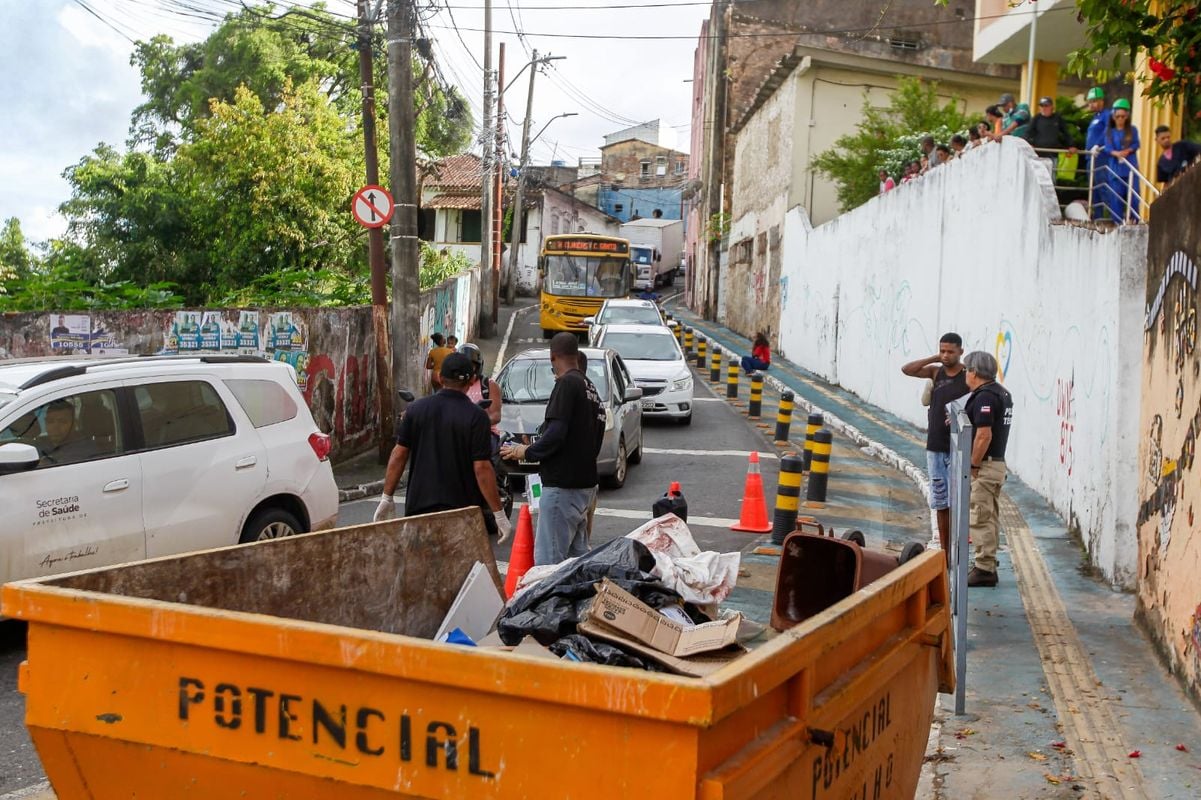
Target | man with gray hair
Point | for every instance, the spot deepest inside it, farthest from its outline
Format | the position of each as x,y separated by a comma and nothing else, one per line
990,410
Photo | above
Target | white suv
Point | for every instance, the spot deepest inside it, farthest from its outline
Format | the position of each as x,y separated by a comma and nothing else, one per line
104,461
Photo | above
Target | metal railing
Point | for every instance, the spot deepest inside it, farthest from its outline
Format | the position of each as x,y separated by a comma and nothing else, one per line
1123,206
960,480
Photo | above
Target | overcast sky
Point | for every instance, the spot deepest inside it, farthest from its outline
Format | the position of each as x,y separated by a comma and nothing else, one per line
68,83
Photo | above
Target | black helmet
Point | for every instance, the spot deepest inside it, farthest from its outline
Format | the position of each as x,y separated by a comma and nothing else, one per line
477,358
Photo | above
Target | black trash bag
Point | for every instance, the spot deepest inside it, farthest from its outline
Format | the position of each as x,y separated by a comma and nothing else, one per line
593,651
552,608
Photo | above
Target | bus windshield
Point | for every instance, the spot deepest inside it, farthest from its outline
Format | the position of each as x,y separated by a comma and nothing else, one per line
582,276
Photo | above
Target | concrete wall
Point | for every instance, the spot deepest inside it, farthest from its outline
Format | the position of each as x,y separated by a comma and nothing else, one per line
971,248
1169,597
332,349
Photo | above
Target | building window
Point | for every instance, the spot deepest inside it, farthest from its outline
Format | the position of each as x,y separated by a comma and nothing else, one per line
618,208
469,226
680,167
660,165
645,170
554,224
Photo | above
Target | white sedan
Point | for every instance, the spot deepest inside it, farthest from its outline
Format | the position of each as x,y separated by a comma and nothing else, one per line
656,363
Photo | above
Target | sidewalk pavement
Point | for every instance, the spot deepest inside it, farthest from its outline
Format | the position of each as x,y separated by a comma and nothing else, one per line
1065,695
362,475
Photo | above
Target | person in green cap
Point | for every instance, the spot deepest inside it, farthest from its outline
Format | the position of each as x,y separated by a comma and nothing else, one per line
1093,139
1121,144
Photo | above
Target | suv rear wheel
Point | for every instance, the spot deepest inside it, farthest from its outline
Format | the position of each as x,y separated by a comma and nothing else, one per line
270,523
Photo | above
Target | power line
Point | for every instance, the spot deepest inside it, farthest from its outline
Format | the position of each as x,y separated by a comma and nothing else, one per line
772,34
690,3
461,39
110,25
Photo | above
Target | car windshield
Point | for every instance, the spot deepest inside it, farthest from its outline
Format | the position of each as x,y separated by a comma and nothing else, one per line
581,276
643,346
629,315
530,380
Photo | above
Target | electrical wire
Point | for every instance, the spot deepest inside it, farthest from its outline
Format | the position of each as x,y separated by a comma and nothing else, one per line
771,34
107,23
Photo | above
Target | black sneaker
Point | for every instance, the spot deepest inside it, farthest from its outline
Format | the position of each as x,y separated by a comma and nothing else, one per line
979,577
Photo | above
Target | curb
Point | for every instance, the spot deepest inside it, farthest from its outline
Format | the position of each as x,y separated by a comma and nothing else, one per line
356,493
39,791
880,452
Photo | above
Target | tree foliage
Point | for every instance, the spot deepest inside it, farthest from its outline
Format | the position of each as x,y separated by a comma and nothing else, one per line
238,174
886,135
15,258
1168,31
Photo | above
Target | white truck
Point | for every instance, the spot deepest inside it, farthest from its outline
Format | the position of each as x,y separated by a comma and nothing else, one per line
655,249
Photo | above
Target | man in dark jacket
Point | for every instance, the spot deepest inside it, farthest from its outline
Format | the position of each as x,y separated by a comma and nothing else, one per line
1048,131
1176,155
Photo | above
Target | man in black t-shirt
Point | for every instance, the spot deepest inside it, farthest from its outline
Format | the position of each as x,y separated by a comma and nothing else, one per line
990,409
448,440
566,449
949,383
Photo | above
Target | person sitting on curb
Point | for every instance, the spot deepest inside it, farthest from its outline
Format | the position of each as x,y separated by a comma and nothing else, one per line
760,358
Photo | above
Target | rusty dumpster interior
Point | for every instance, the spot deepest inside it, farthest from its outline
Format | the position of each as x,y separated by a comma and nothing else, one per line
398,577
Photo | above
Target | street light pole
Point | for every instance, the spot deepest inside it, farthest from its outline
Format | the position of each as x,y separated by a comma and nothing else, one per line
523,164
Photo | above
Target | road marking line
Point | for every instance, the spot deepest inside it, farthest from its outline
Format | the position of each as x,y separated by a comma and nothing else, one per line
672,451
707,399
504,343
31,792
1089,726
645,516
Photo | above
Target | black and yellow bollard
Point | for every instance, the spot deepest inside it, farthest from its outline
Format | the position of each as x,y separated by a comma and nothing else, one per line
700,352
788,497
678,330
784,419
756,404
715,366
689,342
819,469
811,427
732,370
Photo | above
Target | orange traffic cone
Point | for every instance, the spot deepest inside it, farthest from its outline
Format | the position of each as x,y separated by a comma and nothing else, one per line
753,516
522,556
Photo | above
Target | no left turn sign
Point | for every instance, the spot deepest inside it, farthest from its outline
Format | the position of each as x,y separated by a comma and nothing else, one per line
372,206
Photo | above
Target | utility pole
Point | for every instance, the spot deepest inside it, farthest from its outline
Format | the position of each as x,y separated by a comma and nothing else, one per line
716,170
498,216
375,243
406,351
523,165
487,323
511,293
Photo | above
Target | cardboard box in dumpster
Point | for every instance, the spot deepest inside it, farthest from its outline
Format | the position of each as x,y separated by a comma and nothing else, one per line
617,608
617,616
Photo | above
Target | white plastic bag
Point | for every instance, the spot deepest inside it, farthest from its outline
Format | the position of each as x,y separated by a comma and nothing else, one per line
703,578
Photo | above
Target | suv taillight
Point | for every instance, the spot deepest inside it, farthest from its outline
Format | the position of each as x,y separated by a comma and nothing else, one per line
320,444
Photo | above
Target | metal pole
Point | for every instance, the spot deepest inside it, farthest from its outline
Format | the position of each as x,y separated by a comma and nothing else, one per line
961,495
406,330
375,242
498,214
1030,58
519,199
487,328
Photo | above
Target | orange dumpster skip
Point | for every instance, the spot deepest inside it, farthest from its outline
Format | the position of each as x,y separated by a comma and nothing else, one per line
292,669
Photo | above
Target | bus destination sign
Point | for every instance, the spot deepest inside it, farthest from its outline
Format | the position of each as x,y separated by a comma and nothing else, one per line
589,245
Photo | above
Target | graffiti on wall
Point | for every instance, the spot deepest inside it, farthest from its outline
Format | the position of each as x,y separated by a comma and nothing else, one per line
1064,397
1003,352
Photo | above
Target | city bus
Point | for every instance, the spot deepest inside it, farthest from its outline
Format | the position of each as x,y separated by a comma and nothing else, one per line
579,272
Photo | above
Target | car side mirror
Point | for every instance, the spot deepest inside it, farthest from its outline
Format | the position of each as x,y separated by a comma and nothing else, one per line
633,393
589,321
18,457
405,395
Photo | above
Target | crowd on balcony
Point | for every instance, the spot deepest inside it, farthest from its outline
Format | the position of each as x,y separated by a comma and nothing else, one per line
1110,166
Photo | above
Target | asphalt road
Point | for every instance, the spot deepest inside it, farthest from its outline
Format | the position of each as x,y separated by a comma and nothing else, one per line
708,458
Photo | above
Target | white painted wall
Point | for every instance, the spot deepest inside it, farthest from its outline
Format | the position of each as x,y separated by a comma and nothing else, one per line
971,248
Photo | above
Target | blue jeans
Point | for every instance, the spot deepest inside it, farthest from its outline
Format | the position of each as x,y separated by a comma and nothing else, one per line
562,524
938,466
751,364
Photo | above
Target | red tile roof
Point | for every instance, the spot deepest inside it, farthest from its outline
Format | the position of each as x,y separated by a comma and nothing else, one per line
456,172
471,202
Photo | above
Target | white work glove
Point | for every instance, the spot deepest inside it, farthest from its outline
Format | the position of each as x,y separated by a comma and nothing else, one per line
503,526
386,509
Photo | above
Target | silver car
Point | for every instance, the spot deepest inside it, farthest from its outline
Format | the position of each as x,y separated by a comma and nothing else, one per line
525,384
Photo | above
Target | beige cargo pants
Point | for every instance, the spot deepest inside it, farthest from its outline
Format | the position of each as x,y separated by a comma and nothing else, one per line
985,517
